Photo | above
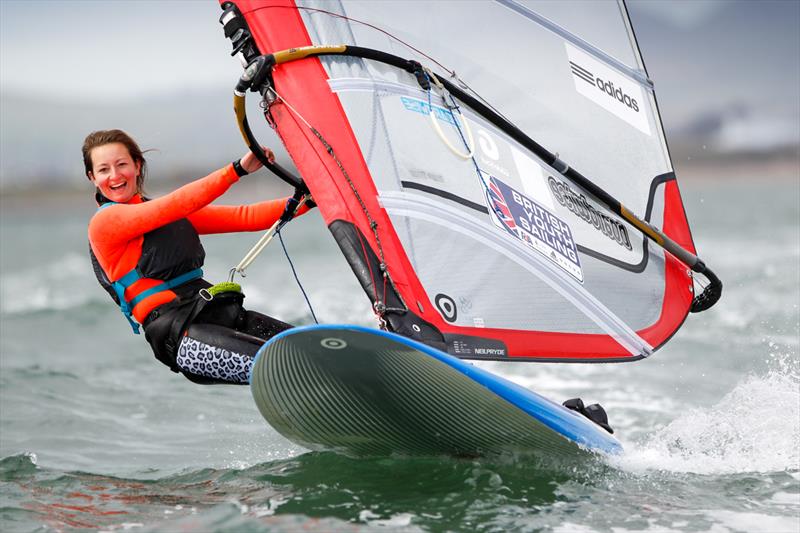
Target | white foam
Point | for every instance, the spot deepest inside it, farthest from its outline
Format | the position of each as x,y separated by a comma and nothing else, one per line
125,526
652,527
755,522
791,499
570,527
402,520
754,428
271,507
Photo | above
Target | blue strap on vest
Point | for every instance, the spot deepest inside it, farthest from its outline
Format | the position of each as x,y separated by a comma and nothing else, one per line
134,275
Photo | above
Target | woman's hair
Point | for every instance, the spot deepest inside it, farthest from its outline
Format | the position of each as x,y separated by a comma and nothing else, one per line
102,137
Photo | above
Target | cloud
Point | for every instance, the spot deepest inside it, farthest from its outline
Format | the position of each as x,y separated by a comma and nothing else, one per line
685,14
113,51
758,133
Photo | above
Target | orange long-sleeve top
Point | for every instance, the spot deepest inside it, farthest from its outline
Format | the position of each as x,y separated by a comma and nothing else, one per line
116,234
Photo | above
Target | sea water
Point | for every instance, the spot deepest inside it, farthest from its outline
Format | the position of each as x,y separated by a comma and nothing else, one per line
95,434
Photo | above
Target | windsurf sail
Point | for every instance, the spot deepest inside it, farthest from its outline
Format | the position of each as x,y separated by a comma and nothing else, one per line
495,173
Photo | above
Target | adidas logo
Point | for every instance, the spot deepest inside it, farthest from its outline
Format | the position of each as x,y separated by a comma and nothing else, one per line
606,86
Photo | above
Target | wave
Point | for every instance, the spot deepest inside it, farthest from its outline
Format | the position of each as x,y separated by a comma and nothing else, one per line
20,466
753,428
60,284
319,491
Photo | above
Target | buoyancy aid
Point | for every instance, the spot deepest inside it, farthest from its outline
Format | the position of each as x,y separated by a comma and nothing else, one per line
171,253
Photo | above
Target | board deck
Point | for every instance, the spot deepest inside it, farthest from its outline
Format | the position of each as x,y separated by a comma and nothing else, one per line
366,392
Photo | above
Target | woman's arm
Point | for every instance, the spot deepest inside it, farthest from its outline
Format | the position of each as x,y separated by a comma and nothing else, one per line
123,222
230,218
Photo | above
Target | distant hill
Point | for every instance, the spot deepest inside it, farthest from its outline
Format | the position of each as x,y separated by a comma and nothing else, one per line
194,132
40,141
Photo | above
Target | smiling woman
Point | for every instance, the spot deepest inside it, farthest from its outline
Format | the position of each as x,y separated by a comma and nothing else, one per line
115,164
147,255
116,175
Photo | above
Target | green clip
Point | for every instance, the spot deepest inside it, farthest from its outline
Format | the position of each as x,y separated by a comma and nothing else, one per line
225,286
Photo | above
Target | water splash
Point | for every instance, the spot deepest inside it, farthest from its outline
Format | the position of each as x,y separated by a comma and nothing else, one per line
754,428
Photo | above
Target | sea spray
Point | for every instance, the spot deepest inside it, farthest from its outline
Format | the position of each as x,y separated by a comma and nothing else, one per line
754,428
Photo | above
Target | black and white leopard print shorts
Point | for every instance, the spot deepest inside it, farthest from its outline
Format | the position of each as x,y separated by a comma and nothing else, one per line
201,359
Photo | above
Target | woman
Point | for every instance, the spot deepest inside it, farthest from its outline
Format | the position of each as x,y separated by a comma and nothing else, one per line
147,255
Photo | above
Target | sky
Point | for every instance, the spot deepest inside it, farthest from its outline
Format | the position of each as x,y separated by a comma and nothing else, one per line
722,52
121,49
112,50
735,59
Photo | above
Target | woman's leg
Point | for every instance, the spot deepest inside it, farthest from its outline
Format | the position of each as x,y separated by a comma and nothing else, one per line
260,325
213,353
209,353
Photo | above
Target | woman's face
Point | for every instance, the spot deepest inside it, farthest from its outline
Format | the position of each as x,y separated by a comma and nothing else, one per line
114,172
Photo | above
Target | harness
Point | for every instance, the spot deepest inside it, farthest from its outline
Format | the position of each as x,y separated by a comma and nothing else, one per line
126,306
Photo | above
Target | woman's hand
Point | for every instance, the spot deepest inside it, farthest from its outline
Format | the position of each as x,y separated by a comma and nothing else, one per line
250,162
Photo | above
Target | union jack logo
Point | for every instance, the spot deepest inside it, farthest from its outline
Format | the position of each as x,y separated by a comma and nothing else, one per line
500,207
